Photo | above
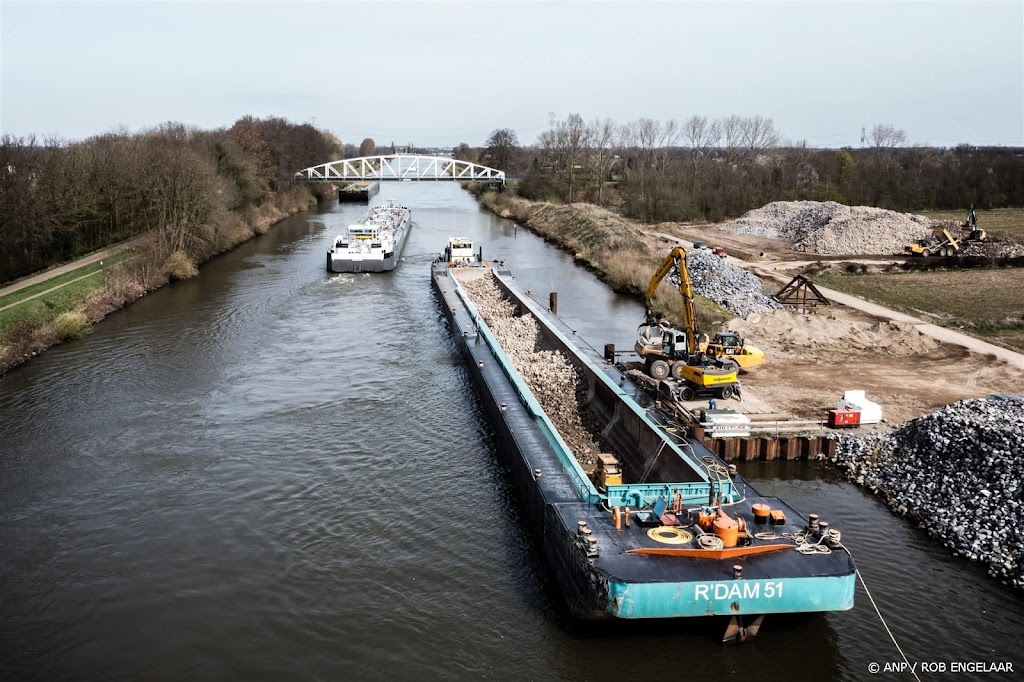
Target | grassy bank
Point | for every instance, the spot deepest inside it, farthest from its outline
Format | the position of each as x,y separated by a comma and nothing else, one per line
65,307
614,248
985,303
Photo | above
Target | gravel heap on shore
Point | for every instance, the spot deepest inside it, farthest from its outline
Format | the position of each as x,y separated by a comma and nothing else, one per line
554,381
727,285
831,228
994,248
959,472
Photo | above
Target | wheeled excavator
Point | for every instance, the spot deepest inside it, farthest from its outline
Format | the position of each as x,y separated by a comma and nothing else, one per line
705,368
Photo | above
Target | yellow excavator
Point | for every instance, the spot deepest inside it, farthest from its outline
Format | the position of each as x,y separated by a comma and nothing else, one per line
969,230
704,367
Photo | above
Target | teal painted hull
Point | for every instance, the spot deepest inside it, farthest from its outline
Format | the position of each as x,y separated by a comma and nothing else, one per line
614,582
730,597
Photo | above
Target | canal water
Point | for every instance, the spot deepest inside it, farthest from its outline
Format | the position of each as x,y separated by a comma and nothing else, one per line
269,473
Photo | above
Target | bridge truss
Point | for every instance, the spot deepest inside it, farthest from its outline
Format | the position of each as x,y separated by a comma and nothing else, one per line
401,167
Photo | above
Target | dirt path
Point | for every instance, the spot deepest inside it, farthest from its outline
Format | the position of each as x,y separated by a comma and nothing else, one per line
943,334
50,290
66,268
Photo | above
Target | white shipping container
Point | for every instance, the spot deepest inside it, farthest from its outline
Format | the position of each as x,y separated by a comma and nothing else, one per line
870,412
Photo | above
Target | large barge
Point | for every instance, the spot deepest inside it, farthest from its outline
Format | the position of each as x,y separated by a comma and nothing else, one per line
662,527
374,244
361,191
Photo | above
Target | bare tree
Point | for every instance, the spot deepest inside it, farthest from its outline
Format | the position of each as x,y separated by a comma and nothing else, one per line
648,133
367,147
603,138
576,145
885,136
501,147
701,135
552,149
666,140
758,134
732,135
464,152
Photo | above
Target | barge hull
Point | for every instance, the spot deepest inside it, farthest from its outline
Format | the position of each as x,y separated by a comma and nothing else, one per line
523,449
360,192
617,584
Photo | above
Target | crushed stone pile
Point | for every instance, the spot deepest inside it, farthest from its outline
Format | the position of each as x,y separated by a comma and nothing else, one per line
727,285
827,227
958,472
552,378
792,333
994,248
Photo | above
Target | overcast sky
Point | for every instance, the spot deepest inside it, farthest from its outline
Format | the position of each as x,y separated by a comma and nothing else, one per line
437,73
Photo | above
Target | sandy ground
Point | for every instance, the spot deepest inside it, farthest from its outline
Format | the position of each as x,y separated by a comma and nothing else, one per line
812,359
908,373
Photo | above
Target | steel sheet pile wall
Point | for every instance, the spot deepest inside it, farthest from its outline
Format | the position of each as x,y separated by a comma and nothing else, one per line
958,471
552,378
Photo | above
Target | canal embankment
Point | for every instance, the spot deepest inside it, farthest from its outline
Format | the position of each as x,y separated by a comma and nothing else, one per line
178,195
614,248
63,306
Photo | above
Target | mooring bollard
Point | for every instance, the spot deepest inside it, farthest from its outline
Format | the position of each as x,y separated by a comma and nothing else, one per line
553,302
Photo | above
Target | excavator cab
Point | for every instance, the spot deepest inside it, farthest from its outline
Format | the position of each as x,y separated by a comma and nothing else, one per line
729,341
730,345
673,344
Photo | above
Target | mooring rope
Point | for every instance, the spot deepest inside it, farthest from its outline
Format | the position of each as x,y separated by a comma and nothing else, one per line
891,636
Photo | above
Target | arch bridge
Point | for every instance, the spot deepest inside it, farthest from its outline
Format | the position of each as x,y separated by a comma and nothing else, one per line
401,167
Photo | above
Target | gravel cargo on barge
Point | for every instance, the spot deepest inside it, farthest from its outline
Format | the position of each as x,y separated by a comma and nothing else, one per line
636,518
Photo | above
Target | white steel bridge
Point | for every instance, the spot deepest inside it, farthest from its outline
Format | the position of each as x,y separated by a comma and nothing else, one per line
401,167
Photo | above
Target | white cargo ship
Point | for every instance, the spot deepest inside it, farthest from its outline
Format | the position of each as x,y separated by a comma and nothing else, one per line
374,244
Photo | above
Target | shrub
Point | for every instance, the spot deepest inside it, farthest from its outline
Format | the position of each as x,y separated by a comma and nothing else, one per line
179,266
70,325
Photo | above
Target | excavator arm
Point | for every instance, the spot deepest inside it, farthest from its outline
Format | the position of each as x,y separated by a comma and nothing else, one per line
676,258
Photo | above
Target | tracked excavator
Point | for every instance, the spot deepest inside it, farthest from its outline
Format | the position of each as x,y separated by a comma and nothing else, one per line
704,368
969,230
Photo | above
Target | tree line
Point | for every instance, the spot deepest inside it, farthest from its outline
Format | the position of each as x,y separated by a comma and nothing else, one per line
702,168
185,187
